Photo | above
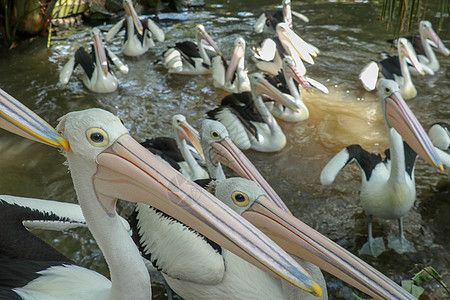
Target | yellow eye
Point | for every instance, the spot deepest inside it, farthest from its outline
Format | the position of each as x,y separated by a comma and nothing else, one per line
215,135
240,199
97,137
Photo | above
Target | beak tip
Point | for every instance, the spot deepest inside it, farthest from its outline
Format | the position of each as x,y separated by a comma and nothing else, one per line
316,289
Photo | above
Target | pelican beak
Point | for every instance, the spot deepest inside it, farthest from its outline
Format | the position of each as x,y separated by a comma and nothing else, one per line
238,53
401,118
407,50
299,239
294,44
17,118
227,153
287,13
262,86
293,73
99,49
431,34
187,132
209,40
129,9
126,170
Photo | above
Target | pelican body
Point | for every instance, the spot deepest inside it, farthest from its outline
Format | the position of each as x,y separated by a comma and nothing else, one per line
191,58
395,68
107,164
439,134
97,77
139,33
247,119
388,186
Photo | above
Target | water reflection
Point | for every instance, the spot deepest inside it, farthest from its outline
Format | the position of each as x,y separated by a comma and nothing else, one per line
348,36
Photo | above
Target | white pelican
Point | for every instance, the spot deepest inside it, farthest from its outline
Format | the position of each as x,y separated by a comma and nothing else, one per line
232,78
388,186
395,68
422,46
139,34
191,58
107,164
247,119
269,55
177,152
268,22
97,75
439,134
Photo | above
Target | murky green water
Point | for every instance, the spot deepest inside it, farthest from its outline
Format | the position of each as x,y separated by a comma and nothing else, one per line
348,35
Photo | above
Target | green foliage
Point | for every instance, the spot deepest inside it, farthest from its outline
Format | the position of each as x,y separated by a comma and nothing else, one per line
403,15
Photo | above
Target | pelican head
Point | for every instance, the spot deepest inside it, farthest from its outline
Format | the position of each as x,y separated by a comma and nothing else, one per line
246,198
427,32
238,54
99,49
202,34
108,164
291,71
261,86
131,12
398,116
185,131
219,148
405,49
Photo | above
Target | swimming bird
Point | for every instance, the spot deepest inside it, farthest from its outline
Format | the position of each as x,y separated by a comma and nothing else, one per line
177,152
247,119
97,77
388,186
191,58
232,78
395,68
423,46
269,55
439,134
107,164
267,22
139,33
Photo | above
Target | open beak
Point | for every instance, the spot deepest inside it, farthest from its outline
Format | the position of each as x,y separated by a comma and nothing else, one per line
126,170
100,52
129,9
238,53
293,73
262,86
401,118
210,41
287,13
431,34
187,132
299,239
407,50
227,153
17,118
295,44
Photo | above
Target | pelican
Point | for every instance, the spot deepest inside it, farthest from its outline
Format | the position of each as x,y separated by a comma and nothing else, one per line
424,51
138,37
268,22
232,78
439,134
247,119
97,75
191,58
177,152
388,186
395,68
107,164
270,53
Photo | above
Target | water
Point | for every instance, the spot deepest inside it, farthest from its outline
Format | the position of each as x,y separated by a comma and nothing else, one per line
348,36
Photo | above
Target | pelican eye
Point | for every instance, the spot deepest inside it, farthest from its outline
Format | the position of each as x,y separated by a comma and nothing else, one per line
215,135
97,137
240,199
387,90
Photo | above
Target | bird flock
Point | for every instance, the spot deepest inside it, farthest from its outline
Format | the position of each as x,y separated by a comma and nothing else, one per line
217,238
